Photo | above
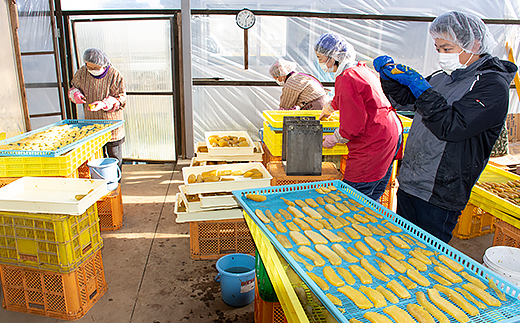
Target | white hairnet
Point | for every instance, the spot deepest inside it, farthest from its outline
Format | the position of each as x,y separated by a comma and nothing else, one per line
334,46
95,56
465,30
281,67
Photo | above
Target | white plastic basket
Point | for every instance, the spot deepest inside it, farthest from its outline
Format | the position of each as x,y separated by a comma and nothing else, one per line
230,151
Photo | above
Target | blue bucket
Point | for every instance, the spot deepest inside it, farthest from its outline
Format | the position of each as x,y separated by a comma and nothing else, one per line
236,274
107,169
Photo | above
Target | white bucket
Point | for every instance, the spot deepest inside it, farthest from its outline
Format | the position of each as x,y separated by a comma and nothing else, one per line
504,261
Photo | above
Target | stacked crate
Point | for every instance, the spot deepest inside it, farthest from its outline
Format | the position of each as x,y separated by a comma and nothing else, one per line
50,252
217,226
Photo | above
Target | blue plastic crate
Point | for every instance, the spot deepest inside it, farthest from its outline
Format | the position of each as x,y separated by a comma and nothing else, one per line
114,124
508,312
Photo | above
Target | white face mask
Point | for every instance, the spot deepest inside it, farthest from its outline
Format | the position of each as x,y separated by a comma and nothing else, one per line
325,68
281,83
97,72
450,62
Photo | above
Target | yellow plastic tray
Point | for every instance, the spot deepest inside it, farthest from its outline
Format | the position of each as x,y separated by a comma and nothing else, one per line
275,117
52,166
53,242
492,203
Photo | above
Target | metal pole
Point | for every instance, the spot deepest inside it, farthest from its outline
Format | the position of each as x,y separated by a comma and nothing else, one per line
188,87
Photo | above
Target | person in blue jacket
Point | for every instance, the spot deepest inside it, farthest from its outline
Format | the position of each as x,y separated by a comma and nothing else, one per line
460,112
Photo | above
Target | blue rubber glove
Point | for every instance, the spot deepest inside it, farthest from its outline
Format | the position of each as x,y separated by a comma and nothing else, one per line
406,76
381,61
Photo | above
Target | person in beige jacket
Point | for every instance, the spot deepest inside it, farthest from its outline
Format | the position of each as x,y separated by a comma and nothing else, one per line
300,91
100,87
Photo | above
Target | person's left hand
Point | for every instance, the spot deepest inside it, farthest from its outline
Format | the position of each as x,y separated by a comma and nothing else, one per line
98,105
329,141
406,76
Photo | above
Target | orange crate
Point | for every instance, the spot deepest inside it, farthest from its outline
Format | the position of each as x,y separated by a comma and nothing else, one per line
328,173
214,239
110,211
267,157
506,235
62,296
267,312
474,222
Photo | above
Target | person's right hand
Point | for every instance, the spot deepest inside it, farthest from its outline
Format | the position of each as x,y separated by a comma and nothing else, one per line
76,96
98,105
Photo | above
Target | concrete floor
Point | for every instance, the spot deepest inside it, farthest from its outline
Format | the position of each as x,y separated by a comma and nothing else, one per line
151,277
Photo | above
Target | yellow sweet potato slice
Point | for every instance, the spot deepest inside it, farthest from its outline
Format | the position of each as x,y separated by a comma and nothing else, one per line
407,240
341,207
482,294
407,282
342,221
323,213
446,306
325,223
279,217
315,237
419,265
269,214
332,188
256,197
354,251
362,229
361,273
356,203
335,223
398,289
334,300
319,281
357,297
313,223
399,242
419,313
375,230
393,227
320,200
331,236
500,294
437,263
349,279
373,213
352,233
383,229
434,311
312,255
273,231
417,242
351,220
299,238
280,227
284,241
392,262
376,297
387,243
362,248
332,277
470,297
384,268
328,200
372,219
300,203
372,270
374,244
387,294
473,280
395,253
458,299
448,274
261,216
398,314
285,214
417,254
289,203
319,190
302,224
311,202
329,254
426,252
360,218
311,212
417,277
405,264
291,226
334,197
295,212
440,280
376,317
325,189
296,257
452,264
344,254
332,209
344,236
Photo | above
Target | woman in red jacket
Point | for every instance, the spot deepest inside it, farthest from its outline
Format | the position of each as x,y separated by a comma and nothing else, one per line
368,124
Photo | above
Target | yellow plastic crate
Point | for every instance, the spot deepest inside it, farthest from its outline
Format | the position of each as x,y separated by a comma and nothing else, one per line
52,166
474,222
407,123
273,141
275,117
52,242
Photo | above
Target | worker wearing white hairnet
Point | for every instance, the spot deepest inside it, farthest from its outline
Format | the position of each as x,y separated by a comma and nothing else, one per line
101,89
368,124
300,91
460,112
